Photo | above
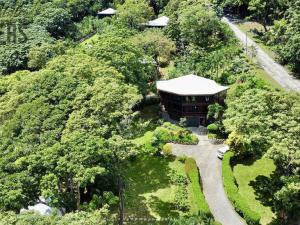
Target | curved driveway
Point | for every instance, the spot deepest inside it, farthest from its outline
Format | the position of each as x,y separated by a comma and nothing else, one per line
274,69
211,176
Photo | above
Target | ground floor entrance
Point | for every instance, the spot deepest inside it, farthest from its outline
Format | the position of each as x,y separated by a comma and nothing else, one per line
196,121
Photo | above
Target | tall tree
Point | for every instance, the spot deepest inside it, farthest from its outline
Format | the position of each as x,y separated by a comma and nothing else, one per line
133,13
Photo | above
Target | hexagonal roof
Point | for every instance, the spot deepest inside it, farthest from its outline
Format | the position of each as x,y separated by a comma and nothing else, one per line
190,85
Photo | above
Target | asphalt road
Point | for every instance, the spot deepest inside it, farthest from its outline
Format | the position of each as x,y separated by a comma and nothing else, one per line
275,70
210,168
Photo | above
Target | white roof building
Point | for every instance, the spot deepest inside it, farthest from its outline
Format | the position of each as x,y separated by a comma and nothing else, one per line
39,208
159,22
42,208
108,12
190,85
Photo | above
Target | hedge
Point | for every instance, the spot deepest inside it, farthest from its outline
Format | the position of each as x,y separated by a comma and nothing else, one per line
240,205
192,172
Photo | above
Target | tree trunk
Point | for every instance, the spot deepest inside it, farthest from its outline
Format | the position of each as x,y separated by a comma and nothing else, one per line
121,203
78,197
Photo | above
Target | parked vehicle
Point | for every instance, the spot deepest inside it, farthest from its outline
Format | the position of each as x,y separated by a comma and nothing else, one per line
221,152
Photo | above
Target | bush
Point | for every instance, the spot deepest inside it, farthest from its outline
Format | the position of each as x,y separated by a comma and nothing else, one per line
213,128
181,200
167,149
194,139
231,189
171,133
212,136
192,172
99,217
200,218
167,133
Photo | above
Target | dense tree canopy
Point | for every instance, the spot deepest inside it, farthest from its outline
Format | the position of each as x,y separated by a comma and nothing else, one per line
137,67
133,13
156,44
54,112
65,123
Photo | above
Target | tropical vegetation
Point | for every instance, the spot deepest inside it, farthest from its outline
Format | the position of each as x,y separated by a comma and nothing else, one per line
77,126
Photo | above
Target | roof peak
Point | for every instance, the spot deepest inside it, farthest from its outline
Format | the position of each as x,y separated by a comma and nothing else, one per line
108,11
190,84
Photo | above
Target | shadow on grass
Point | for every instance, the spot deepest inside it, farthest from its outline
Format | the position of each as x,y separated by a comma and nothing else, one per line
265,187
246,160
164,209
262,186
146,176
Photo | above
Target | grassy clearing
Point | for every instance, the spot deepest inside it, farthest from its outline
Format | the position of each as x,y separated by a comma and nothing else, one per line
150,191
246,174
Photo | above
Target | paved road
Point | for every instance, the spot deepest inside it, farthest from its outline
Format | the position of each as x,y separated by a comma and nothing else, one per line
275,70
211,175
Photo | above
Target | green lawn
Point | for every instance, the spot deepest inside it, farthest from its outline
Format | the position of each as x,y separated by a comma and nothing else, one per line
245,175
150,191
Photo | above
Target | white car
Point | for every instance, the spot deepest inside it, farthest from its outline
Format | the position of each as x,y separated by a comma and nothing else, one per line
221,152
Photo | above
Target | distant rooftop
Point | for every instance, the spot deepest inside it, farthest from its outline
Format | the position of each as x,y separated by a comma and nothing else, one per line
190,85
108,11
159,22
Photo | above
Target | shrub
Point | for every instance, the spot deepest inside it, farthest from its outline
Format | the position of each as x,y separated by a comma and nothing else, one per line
171,133
194,139
99,217
177,178
166,133
213,128
167,149
181,200
212,136
231,189
192,172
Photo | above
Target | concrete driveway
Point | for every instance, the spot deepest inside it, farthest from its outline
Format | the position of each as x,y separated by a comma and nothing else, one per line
211,175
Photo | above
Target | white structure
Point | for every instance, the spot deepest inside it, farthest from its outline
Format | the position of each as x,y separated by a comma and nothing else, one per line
159,22
221,152
190,85
107,12
42,208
